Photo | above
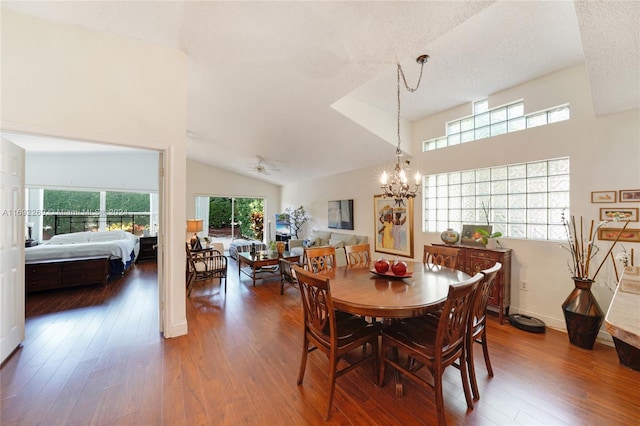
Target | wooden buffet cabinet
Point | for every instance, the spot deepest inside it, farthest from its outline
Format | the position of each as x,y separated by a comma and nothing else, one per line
472,259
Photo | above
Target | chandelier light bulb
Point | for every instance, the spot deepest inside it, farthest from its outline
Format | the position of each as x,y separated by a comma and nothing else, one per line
384,178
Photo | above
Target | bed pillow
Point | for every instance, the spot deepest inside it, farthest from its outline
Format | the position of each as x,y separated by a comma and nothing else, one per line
73,238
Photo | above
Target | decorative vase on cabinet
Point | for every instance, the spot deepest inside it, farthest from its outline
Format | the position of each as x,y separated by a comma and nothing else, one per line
450,236
582,314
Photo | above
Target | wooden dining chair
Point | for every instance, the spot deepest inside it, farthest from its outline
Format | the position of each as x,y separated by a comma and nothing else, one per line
335,333
287,276
206,265
319,259
441,256
358,255
432,345
477,328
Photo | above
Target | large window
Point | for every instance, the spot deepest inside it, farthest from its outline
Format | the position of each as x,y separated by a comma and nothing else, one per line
98,210
485,122
519,200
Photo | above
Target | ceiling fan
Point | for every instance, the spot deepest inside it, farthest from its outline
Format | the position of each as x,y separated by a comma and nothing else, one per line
263,167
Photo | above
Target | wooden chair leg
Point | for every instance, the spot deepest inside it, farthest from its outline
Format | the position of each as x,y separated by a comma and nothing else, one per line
465,383
437,382
485,351
472,370
303,360
333,364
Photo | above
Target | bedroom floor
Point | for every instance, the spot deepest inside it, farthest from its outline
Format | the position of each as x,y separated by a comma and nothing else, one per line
93,355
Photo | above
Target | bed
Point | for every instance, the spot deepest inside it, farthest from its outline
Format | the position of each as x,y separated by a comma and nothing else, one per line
79,258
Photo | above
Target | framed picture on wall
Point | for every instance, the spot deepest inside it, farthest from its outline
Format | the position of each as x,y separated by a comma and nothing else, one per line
630,195
603,197
627,236
393,225
619,214
341,214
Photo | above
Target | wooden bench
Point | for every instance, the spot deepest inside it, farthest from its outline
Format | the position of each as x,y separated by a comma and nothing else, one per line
623,318
61,273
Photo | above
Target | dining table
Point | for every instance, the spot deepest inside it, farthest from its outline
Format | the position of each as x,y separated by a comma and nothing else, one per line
363,291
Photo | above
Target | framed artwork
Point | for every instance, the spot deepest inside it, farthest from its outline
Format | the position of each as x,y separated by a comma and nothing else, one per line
341,214
630,195
622,214
470,235
393,224
628,235
603,196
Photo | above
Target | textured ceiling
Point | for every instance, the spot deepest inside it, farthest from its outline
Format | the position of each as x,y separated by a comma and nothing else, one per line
263,76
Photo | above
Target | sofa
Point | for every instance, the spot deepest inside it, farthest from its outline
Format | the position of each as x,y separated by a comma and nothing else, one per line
327,238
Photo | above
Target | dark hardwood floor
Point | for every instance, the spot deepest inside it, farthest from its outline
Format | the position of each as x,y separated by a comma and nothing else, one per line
93,355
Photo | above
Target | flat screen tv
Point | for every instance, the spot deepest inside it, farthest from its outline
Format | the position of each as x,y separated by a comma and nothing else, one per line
341,214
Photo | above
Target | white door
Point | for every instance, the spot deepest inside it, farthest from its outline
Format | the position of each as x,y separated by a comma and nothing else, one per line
12,224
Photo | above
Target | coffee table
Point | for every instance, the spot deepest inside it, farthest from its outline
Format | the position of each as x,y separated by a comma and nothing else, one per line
262,265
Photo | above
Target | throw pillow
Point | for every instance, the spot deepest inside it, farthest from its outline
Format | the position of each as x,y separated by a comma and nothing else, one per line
336,242
310,243
351,241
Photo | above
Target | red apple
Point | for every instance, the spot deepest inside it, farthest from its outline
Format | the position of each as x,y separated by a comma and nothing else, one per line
399,268
382,265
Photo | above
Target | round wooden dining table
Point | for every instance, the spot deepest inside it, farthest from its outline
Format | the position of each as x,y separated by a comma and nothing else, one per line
360,291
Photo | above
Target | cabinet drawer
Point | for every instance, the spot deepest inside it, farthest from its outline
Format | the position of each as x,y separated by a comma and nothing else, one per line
86,272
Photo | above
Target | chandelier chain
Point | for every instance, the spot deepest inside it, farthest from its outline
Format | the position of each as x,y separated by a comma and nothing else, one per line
395,185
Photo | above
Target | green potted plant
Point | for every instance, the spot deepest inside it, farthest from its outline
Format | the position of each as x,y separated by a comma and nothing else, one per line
486,237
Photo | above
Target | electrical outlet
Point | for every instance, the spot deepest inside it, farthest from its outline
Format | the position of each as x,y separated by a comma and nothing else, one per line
524,285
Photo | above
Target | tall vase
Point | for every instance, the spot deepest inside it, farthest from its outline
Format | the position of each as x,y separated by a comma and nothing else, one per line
582,314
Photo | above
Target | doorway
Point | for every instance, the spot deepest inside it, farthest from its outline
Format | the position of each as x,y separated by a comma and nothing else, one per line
229,218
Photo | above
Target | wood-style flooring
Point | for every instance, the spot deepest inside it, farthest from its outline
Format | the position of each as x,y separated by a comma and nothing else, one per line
94,356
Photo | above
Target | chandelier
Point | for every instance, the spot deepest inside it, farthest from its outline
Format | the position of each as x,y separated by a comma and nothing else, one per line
396,184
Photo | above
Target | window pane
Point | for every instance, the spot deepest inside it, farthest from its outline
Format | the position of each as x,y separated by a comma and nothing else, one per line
441,142
560,166
517,230
537,184
518,186
429,146
518,171
537,169
559,114
483,132
482,120
516,110
466,136
481,106
499,129
466,124
454,139
498,173
483,175
517,124
537,232
499,187
518,200
537,200
453,127
498,115
537,120
468,189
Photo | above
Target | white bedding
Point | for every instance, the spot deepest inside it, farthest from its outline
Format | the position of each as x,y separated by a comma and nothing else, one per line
115,244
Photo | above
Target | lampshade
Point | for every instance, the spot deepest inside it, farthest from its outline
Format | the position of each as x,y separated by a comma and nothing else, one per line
194,225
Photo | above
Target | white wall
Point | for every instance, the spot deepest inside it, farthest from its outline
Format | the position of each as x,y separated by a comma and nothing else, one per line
119,171
604,154
67,82
204,180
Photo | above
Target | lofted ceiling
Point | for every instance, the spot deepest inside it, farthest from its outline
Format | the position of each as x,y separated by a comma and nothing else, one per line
265,78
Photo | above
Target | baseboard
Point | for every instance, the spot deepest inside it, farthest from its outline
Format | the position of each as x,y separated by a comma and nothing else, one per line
176,330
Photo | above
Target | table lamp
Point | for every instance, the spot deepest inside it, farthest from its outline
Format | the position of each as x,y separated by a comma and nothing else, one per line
195,226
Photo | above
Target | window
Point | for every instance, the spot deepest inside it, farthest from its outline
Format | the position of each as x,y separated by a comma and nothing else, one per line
485,123
96,207
519,200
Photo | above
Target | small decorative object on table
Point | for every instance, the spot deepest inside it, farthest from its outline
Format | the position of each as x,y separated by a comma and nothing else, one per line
280,246
450,236
582,313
